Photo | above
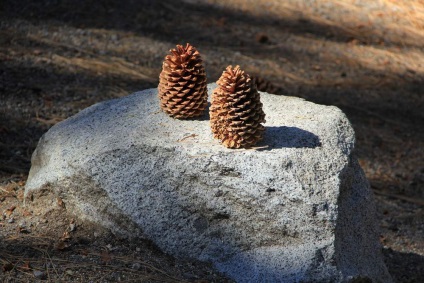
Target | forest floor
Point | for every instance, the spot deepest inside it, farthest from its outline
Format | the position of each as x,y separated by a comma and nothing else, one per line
59,57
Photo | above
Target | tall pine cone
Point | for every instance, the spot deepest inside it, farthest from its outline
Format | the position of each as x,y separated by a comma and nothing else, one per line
182,83
236,110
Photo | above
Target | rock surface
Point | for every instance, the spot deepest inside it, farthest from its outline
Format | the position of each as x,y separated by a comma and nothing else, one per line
296,208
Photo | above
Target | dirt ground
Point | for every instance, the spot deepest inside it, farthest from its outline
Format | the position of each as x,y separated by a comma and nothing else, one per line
58,57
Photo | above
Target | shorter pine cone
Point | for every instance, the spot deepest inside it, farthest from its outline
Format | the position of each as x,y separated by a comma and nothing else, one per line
182,83
236,110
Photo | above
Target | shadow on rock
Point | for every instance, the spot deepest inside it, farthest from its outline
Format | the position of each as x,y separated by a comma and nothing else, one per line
289,137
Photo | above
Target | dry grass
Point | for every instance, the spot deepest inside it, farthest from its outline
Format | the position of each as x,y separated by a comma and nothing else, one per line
88,266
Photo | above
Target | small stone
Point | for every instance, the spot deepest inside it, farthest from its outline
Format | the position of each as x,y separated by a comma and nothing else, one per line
190,276
39,274
114,37
23,228
219,193
11,220
117,276
136,266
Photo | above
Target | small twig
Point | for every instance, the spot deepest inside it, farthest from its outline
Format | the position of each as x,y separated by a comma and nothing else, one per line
104,276
382,118
51,261
47,271
145,264
49,122
405,198
12,238
6,191
186,137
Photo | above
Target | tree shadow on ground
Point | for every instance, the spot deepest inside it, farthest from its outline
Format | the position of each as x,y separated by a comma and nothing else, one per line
36,90
158,19
400,267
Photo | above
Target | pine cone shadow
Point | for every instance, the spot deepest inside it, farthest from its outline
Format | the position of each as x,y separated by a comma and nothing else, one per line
288,137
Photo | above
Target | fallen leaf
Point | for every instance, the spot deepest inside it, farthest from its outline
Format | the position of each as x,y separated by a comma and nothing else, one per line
26,266
105,257
65,236
20,195
72,227
10,187
353,41
62,246
60,202
23,230
316,68
26,213
221,21
83,252
12,208
37,52
262,38
7,267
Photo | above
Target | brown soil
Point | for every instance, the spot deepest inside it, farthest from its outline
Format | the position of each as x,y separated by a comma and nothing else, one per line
58,57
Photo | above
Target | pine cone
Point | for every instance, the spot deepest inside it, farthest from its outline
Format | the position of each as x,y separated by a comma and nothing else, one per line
265,85
182,83
236,110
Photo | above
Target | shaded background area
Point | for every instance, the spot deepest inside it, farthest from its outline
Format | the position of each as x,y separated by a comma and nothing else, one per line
366,57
